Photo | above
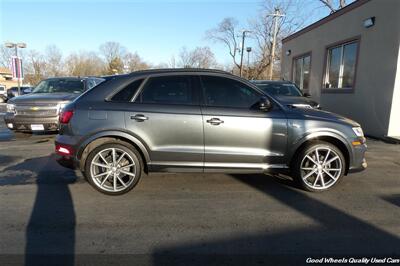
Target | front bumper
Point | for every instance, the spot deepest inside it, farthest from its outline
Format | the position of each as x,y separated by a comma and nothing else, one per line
359,162
23,123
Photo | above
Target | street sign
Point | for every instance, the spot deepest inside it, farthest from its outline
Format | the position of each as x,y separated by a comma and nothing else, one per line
16,66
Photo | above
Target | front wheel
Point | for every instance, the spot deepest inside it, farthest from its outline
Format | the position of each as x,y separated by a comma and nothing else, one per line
319,166
113,168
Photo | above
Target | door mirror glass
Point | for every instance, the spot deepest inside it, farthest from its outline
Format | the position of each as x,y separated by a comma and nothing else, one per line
264,104
306,94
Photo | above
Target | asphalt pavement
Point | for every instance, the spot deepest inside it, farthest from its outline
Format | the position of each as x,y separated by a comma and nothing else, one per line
190,219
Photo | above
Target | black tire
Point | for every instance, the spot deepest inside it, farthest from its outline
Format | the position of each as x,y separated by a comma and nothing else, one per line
126,147
298,173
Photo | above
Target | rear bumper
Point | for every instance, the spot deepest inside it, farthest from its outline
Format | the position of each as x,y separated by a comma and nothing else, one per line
23,123
69,161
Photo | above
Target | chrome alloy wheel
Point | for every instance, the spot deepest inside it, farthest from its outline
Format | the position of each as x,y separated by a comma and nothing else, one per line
321,168
113,170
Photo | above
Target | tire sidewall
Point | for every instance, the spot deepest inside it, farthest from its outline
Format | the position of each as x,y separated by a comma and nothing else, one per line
125,147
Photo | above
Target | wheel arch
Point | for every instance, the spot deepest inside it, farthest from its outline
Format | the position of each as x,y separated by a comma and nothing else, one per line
332,138
107,136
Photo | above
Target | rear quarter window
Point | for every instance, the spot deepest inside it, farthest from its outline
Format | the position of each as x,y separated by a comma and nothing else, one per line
127,93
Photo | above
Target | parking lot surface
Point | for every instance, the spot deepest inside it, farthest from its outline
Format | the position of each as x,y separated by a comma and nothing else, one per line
245,219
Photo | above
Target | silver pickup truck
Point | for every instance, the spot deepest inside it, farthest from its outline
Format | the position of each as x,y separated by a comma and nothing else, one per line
39,110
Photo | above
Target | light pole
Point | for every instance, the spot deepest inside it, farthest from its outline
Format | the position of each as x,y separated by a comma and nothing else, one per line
242,50
16,46
248,50
276,16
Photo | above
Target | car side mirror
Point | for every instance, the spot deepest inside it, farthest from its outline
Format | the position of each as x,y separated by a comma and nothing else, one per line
264,104
306,94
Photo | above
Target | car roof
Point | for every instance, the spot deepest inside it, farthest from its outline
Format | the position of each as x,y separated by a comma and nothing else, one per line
271,82
169,70
71,78
180,70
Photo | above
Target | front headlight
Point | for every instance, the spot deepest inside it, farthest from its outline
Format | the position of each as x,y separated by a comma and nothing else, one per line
10,108
358,131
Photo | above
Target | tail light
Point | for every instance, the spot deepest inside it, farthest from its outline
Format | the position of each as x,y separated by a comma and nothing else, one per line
65,116
64,150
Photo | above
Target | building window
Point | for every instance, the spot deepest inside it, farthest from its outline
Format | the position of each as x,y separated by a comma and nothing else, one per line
341,66
301,71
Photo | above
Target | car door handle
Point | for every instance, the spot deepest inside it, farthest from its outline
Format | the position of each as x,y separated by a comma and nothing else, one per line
139,117
215,121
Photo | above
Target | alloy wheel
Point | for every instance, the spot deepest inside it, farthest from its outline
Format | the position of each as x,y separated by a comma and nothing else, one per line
321,168
113,170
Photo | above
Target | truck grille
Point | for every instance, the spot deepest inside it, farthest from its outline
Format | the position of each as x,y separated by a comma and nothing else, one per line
43,110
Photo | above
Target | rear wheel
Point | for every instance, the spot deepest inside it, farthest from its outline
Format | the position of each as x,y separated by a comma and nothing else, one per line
113,168
319,166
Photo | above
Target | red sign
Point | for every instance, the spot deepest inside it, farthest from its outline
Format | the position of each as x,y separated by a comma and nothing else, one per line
16,66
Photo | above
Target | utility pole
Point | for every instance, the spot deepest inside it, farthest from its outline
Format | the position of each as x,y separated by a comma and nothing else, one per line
248,50
242,51
276,16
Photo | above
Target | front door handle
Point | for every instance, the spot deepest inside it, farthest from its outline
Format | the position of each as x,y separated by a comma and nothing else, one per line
139,117
215,121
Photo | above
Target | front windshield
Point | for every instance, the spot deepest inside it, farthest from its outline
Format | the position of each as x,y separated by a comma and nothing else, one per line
280,89
60,86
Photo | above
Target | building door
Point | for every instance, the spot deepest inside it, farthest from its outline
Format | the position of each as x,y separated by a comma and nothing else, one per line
301,71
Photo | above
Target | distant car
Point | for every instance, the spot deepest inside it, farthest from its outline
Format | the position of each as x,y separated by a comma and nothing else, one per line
13,91
287,93
3,94
39,110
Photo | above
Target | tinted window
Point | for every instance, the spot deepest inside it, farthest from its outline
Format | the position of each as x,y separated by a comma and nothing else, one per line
127,93
280,89
169,90
226,92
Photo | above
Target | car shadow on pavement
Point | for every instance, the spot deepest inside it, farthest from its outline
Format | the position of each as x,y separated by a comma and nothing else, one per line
395,199
335,234
50,232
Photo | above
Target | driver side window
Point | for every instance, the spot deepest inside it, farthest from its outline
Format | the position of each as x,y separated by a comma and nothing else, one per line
224,92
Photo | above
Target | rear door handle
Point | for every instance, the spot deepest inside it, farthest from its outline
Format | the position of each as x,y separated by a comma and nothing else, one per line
215,121
139,117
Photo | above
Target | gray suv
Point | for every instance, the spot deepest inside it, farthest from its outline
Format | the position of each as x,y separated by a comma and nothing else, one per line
192,120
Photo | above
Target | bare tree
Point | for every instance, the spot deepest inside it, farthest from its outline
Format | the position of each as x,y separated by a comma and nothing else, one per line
133,62
333,6
84,64
54,64
226,33
5,56
200,57
35,67
262,33
172,62
113,53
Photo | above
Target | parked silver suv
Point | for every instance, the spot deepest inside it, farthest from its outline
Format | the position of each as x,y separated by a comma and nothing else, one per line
201,121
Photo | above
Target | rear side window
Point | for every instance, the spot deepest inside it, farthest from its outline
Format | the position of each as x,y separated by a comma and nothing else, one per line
169,90
127,93
225,92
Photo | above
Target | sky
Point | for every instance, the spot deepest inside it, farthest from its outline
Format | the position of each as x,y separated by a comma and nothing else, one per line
155,29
